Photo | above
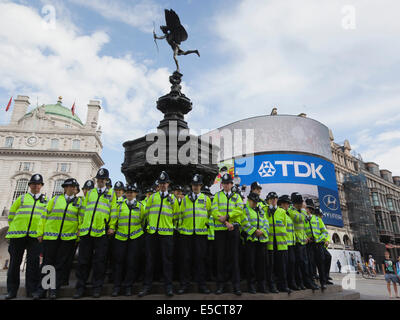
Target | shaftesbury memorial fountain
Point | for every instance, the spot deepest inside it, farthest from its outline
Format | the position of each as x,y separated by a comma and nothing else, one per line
172,148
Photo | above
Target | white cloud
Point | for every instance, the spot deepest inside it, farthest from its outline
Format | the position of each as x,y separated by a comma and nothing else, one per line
296,55
139,13
49,63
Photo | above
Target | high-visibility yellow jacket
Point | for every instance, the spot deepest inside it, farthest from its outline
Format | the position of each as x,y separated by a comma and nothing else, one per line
97,211
222,206
290,234
316,230
130,221
277,220
162,214
60,220
195,216
299,219
24,216
254,219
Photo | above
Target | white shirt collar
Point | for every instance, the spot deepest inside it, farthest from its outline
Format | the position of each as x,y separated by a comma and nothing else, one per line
228,193
102,189
164,194
131,202
35,196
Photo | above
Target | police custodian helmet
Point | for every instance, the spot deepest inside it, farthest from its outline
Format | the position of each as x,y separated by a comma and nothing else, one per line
102,174
89,185
36,178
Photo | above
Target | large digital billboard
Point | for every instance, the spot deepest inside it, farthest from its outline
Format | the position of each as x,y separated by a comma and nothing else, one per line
311,176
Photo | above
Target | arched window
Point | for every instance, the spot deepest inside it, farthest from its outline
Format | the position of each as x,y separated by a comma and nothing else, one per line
20,189
346,240
76,144
54,144
336,238
58,190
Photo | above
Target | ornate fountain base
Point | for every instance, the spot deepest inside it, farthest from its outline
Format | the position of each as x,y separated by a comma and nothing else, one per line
172,148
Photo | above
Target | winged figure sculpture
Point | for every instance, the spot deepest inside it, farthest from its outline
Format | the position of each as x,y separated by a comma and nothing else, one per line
175,34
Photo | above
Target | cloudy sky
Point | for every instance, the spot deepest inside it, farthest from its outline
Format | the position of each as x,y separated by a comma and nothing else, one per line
302,56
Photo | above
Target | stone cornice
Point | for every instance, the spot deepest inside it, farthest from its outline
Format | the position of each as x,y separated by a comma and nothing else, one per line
55,131
53,153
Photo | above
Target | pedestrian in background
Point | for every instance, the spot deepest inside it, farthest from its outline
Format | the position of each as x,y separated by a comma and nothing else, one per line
339,265
389,271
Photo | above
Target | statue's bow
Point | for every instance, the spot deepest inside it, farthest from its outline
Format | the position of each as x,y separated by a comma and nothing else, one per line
154,36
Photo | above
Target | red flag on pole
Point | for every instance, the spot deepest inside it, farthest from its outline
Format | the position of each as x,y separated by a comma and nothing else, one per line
9,104
73,109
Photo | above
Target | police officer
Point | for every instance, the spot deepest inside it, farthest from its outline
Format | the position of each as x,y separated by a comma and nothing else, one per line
128,240
227,210
162,213
119,189
210,257
23,220
58,229
148,192
277,243
89,185
255,227
298,215
99,206
109,184
71,256
178,193
193,229
291,241
317,234
328,256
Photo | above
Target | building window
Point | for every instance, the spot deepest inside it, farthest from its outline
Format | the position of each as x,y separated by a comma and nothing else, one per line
346,240
336,238
394,224
375,199
63,167
58,190
54,144
76,144
390,204
26,166
9,142
379,220
20,189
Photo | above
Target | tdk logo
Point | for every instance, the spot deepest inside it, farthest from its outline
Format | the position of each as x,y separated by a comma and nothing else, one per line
267,169
300,169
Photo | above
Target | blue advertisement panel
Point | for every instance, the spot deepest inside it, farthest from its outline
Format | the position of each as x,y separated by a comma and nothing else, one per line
286,173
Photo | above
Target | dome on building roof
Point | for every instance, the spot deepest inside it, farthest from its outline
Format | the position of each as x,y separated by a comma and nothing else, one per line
58,110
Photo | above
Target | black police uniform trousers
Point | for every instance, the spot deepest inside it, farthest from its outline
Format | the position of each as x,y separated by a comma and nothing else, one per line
166,244
70,262
193,249
16,250
302,265
328,261
277,268
291,266
110,256
255,263
126,258
210,260
56,253
92,251
312,267
317,256
227,251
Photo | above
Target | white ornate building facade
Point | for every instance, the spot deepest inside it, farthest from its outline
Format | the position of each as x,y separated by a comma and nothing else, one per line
48,140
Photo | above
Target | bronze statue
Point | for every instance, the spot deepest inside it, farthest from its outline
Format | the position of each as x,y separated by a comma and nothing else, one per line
174,33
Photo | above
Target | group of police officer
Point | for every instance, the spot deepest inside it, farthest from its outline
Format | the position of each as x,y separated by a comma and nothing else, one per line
278,244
